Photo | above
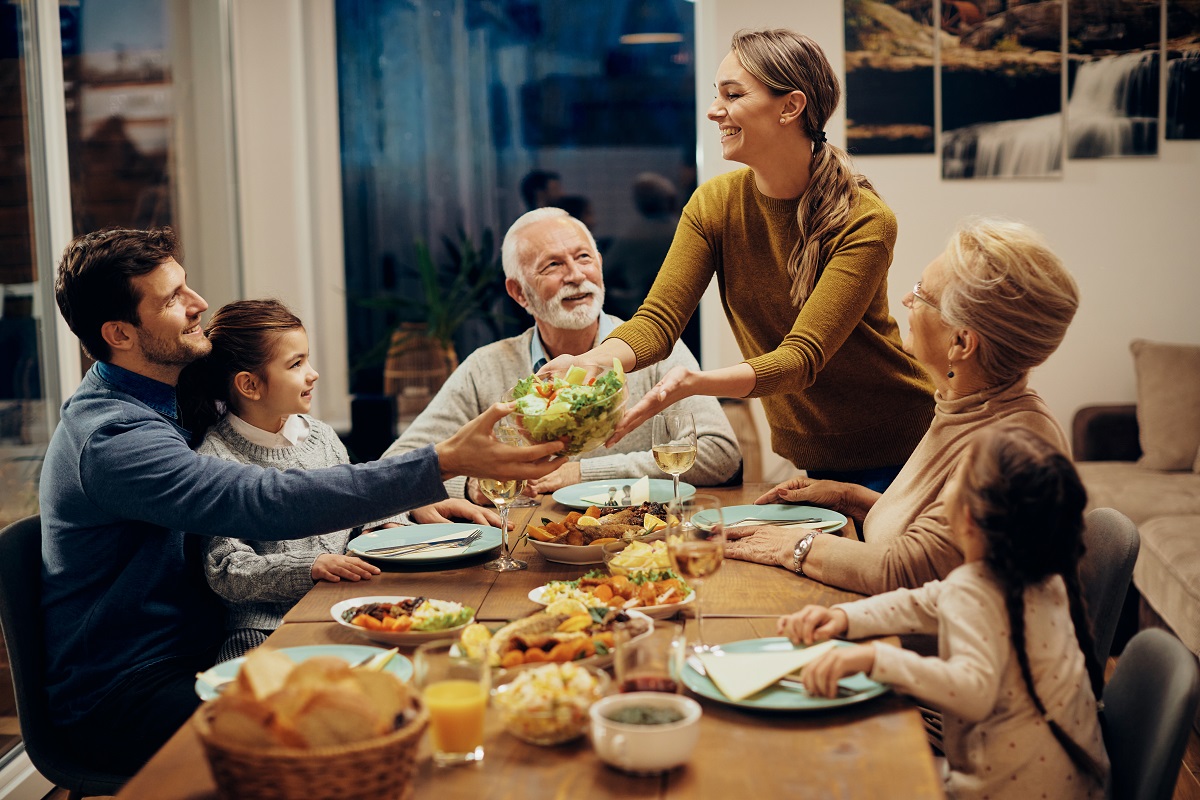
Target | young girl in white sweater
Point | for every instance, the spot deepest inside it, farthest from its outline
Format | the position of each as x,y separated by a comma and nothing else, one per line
260,374
1015,678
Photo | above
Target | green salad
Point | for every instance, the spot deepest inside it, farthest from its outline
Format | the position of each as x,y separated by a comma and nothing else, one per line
586,413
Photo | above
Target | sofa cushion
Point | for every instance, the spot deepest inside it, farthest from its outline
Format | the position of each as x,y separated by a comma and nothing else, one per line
1168,407
1167,573
1139,493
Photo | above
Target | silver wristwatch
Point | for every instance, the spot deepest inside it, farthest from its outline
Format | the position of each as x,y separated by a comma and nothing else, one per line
801,551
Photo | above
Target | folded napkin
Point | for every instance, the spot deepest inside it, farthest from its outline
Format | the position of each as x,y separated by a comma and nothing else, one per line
739,675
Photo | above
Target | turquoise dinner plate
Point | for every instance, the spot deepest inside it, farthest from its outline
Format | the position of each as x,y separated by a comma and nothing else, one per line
415,534
777,512
661,491
776,697
399,666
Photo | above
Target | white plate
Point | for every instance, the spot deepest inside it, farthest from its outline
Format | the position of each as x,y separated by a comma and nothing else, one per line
391,637
780,513
399,666
661,491
654,612
777,697
416,534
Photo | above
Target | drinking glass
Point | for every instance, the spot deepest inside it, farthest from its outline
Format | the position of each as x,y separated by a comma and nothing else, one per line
651,661
455,687
674,444
696,545
502,493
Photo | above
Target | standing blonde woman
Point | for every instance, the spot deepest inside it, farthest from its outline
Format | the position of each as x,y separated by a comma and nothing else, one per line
800,246
989,309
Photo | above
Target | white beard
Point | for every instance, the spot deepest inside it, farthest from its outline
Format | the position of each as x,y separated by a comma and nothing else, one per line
554,314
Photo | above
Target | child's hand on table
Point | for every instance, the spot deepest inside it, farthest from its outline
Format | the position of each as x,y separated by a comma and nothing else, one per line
821,676
813,624
334,567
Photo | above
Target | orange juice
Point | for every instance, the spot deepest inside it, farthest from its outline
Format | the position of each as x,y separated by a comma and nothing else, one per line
456,712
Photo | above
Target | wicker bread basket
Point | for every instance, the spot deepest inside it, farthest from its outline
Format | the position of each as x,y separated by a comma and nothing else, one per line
383,767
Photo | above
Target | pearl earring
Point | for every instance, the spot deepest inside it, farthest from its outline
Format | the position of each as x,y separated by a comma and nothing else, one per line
782,121
950,372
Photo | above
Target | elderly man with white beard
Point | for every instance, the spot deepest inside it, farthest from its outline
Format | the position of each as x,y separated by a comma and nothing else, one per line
553,270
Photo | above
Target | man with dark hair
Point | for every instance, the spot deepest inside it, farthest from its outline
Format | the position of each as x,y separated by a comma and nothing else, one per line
128,620
540,188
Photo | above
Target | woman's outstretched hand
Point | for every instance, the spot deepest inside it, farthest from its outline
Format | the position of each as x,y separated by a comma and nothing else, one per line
673,387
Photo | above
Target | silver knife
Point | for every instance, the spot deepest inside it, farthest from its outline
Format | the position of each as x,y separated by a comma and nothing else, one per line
402,549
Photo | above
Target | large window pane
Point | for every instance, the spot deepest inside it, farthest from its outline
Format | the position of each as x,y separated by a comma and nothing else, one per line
447,104
119,113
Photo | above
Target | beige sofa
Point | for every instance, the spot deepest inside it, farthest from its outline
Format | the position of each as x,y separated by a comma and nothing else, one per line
1144,461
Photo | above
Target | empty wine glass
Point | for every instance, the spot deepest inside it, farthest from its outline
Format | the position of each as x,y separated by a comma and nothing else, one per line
674,444
502,493
696,545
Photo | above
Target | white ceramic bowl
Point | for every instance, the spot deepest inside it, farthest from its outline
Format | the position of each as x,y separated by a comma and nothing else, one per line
645,749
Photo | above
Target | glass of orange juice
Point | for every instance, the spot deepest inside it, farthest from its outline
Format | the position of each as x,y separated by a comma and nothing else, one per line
455,687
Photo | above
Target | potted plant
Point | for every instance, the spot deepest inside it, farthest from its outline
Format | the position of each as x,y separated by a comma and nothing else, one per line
420,351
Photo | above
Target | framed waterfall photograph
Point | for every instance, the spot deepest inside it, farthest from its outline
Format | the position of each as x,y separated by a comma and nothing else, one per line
1001,90
889,76
1113,77
1183,69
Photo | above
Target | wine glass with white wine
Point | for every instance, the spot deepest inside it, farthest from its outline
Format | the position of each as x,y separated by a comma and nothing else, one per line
502,493
674,444
696,545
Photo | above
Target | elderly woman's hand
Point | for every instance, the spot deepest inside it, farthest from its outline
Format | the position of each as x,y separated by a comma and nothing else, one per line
847,498
762,544
813,624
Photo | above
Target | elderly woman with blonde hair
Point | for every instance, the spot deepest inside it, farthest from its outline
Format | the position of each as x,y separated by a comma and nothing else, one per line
994,305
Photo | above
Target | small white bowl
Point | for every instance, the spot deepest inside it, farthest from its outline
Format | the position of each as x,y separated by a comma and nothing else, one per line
645,749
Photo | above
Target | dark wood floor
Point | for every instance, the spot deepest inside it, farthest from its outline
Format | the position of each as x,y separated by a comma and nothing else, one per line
1188,787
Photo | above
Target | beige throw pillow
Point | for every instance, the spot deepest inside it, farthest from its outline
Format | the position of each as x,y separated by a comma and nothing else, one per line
1168,404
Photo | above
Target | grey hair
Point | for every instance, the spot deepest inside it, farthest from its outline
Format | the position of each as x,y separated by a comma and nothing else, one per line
1005,283
513,251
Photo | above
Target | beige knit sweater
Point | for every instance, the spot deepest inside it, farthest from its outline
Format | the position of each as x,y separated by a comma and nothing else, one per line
906,537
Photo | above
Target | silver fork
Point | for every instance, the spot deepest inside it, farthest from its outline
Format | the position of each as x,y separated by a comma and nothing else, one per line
405,549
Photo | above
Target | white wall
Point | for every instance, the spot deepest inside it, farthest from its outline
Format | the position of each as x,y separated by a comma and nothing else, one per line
1127,228
289,188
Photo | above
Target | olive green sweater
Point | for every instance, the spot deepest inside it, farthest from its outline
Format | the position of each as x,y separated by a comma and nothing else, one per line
838,390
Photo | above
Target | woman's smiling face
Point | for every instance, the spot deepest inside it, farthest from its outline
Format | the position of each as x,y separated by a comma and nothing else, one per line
746,112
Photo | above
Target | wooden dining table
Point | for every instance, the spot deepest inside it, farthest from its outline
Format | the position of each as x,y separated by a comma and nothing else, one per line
872,749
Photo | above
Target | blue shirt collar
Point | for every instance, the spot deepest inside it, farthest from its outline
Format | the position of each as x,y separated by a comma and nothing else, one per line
159,396
537,352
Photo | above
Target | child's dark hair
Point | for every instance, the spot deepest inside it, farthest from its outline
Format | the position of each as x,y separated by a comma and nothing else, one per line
243,336
1026,500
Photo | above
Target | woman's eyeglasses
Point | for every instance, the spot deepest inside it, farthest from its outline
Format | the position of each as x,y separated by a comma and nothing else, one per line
916,292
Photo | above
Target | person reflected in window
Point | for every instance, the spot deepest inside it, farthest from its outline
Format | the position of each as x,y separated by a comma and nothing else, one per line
800,246
553,270
540,188
633,259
